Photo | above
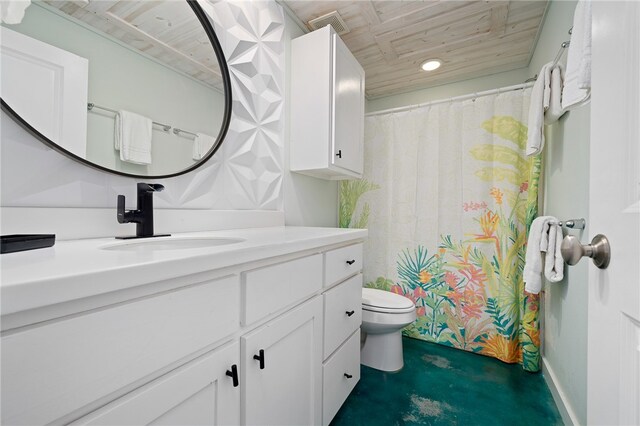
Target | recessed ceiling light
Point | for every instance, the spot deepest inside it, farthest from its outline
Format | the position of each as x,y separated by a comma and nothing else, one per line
431,64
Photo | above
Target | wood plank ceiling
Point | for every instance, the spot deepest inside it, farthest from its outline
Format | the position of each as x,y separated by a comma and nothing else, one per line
168,31
391,39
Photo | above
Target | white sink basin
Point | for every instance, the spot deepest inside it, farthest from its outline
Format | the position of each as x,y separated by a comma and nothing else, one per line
169,243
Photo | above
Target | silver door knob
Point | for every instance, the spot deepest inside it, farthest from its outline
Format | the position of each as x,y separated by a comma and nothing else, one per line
599,250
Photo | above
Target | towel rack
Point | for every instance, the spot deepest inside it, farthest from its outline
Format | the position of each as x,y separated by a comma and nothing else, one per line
165,127
563,46
179,132
573,223
91,106
561,50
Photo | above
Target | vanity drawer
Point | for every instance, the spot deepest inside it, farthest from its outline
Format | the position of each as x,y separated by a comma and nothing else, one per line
269,289
342,313
341,263
336,384
54,369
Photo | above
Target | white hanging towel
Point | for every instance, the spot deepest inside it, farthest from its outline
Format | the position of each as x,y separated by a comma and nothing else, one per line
12,11
577,81
201,145
540,98
545,236
553,261
133,137
555,110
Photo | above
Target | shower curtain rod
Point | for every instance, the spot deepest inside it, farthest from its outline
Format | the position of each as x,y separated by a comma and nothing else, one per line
457,98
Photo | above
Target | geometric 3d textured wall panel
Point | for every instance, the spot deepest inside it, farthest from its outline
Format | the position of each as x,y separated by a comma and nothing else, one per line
245,173
252,38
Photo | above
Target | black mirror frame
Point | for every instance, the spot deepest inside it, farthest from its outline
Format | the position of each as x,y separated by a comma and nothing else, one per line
226,83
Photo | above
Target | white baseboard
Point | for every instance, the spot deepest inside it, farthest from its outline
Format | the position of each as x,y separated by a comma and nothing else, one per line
78,223
568,415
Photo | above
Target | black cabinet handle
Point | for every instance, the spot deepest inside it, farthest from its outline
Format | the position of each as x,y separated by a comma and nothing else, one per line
339,154
349,313
351,262
348,376
233,373
260,358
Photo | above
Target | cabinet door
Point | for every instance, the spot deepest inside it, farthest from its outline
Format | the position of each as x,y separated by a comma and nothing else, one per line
198,393
282,369
348,112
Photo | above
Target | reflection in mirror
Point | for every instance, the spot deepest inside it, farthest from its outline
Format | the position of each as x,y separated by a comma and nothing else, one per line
130,86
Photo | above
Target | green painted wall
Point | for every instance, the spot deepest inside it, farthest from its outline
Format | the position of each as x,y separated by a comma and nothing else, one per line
444,91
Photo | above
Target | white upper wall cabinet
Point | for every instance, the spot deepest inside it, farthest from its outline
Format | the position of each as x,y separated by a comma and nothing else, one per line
327,107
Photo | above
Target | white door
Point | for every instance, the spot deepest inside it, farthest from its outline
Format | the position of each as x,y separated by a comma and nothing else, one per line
613,394
47,87
282,369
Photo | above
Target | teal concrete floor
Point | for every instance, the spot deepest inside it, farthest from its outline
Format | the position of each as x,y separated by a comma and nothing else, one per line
445,386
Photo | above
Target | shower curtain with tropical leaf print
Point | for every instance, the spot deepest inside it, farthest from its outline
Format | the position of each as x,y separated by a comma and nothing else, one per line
448,196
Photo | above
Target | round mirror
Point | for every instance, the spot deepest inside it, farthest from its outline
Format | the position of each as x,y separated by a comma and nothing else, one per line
137,88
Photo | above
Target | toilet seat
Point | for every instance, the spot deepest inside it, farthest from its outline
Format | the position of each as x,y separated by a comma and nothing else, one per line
385,302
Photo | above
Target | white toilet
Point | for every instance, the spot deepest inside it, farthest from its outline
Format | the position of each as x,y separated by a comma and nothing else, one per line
384,315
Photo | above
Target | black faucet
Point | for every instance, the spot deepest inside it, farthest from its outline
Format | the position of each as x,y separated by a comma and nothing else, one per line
143,215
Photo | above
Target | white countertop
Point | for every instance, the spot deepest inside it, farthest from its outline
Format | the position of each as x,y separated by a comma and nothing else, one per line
76,269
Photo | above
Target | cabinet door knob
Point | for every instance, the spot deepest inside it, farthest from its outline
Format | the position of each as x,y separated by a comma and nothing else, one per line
260,358
348,376
351,262
233,373
349,313
339,154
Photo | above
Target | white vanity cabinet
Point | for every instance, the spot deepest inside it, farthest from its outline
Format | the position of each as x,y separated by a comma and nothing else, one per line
198,393
53,369
327,107
266,341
